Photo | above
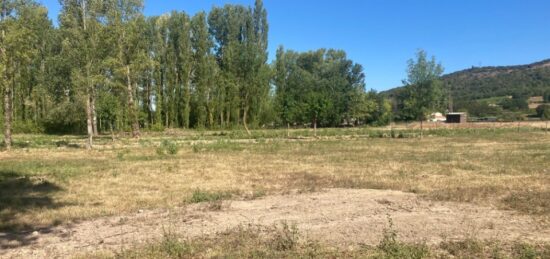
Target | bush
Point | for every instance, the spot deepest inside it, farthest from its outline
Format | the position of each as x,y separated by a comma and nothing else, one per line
27,127
66,118
157,127
285,238
392,248
543,112
207,196
168,147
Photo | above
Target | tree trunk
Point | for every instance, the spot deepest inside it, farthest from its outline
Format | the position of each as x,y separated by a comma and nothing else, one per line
315,126
159,99
112,132
148,103
89,123
7,117
94,114
187,99
222,122
131,106
288,130
228,117
245,114
7,89
546,131
89,86
210,118
421,128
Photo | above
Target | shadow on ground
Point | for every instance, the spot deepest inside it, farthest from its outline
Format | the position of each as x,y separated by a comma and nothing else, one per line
20,194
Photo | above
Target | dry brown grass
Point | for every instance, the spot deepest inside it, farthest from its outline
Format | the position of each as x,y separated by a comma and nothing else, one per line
505,169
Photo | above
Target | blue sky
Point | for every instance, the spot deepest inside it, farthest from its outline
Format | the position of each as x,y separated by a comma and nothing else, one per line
383,34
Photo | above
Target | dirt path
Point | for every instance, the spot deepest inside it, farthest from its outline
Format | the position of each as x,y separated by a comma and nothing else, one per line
339,217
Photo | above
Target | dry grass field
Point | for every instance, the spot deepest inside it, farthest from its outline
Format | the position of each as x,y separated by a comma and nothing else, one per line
51,182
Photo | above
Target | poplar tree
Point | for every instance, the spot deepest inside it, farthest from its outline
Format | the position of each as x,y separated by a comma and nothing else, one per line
125,25
81,29
6,18
205,71
423,85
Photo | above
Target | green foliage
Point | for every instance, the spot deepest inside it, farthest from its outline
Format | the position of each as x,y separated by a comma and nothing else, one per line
465,248
477,86
323,87
423,87
285,238
392,248
209,196
27,127
168,147
485,82
527,251
483,109
108,107
65,118
515,104
543,112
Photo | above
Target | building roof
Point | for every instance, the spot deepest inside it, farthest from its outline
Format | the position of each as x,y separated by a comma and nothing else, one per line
456,113
536,99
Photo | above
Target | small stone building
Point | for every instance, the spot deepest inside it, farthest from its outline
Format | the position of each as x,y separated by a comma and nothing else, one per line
457,117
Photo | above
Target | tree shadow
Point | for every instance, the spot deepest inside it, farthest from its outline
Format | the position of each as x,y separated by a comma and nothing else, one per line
20,194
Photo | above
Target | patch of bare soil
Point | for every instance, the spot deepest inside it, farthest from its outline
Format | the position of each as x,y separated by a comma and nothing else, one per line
338,217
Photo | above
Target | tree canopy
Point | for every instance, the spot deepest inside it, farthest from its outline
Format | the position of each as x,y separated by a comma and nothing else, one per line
424,90
109,67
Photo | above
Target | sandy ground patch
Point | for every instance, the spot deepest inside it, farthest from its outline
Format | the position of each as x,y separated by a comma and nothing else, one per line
339,217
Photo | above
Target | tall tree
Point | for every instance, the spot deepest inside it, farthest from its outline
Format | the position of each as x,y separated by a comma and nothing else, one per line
423,85
205,70
280,80
180,69
320,87
241,50
22,50
80,22
125,25
6,13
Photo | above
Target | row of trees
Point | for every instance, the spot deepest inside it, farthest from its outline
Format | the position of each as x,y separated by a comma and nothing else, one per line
325,88
108,67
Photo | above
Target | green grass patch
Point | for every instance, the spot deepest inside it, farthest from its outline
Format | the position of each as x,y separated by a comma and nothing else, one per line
199,196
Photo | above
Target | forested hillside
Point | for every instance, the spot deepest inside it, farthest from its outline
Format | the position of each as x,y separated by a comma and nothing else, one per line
107,67
486,82
471,88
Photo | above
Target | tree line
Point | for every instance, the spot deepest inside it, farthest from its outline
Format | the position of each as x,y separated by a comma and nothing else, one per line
107,67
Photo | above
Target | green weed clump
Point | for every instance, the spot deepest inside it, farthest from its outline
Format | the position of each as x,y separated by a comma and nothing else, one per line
199,196
390,247
168,147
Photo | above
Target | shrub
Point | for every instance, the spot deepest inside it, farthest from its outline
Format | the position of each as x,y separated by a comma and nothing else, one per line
285,238
168,147
27,127
66,118
157,127
392,248
208,196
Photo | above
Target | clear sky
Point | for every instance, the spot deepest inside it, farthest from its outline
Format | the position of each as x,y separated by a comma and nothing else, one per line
383,34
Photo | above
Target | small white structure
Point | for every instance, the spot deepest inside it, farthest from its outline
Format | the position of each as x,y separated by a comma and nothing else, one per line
437,117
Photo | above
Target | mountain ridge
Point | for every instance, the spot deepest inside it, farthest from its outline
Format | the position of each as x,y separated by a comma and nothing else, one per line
493,81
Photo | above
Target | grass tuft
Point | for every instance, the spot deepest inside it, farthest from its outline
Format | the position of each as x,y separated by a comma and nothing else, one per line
199,196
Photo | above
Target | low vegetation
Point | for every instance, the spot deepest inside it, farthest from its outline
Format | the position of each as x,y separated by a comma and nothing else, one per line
49,180
284,241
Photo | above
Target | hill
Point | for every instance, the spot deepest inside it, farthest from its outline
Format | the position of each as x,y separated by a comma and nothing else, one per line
478,84
488,82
